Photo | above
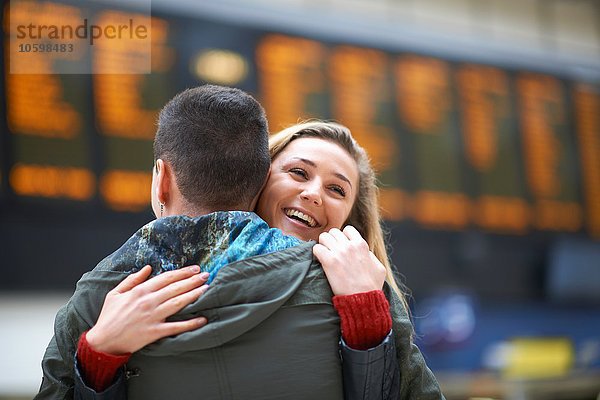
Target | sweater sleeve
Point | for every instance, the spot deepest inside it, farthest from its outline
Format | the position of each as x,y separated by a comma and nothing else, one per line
364,318
98,369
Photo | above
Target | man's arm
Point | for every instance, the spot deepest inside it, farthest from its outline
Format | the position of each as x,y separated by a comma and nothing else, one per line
55,383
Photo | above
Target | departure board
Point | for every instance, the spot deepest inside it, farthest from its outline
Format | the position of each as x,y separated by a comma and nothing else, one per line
80,137
460,146
456,144
125,109
46,115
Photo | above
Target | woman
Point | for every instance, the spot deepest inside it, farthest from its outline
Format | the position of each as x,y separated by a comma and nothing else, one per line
297,153
363,213
321,181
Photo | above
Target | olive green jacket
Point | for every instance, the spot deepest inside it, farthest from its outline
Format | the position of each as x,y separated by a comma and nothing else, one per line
272,331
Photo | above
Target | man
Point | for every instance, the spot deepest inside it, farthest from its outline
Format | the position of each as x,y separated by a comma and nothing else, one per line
272,333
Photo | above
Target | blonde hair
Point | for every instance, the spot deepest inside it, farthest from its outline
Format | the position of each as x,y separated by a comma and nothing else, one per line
365,215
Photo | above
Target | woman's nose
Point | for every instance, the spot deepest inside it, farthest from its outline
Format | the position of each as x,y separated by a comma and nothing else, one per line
312,194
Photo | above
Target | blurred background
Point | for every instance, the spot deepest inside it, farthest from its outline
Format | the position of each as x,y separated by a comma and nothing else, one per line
481,116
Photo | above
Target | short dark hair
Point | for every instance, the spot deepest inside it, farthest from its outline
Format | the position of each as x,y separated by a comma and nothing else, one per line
216,140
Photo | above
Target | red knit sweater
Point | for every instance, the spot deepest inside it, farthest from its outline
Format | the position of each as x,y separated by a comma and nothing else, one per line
364,321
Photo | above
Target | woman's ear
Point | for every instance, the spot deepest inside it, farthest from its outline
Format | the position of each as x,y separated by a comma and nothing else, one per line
255,199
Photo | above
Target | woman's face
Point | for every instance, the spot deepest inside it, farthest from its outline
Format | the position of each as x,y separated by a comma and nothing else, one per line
311,188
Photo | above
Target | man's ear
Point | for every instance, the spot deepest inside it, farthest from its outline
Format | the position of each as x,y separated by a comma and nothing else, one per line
255,199
163,181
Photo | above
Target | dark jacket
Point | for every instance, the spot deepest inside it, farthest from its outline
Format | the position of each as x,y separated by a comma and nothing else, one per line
368,375
273,332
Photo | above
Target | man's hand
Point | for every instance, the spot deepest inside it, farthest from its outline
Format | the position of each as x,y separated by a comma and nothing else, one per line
134,312
348,263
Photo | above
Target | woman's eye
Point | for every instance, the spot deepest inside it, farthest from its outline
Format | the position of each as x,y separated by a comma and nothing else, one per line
299,172
339,190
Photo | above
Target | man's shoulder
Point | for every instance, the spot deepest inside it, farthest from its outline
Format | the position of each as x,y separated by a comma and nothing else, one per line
281,268
211,240
172,242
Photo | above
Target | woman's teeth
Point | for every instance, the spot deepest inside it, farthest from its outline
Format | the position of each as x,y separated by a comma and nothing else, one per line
307,219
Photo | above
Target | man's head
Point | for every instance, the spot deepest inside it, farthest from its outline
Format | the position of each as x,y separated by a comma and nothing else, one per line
213,140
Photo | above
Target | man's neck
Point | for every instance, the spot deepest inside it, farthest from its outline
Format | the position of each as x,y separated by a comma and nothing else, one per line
198,211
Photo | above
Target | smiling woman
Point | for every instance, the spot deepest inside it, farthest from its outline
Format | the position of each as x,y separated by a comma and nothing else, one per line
322,187
311,189
321,178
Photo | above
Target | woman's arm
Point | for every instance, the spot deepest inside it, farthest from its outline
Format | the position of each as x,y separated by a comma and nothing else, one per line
356,277
357,310
365,319
134,315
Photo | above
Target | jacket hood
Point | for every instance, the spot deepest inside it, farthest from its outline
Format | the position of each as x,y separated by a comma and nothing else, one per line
242,295
254,271
210,241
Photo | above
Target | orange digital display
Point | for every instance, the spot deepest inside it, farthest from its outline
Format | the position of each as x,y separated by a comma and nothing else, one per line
423,93
54,118
118,98
287,81
359,91
124,118
53,182
548,153
46,118
483,93
587,111
457,145
489,144
51,116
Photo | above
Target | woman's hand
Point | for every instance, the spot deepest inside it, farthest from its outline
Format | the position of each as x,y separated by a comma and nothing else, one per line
348,263
134,312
